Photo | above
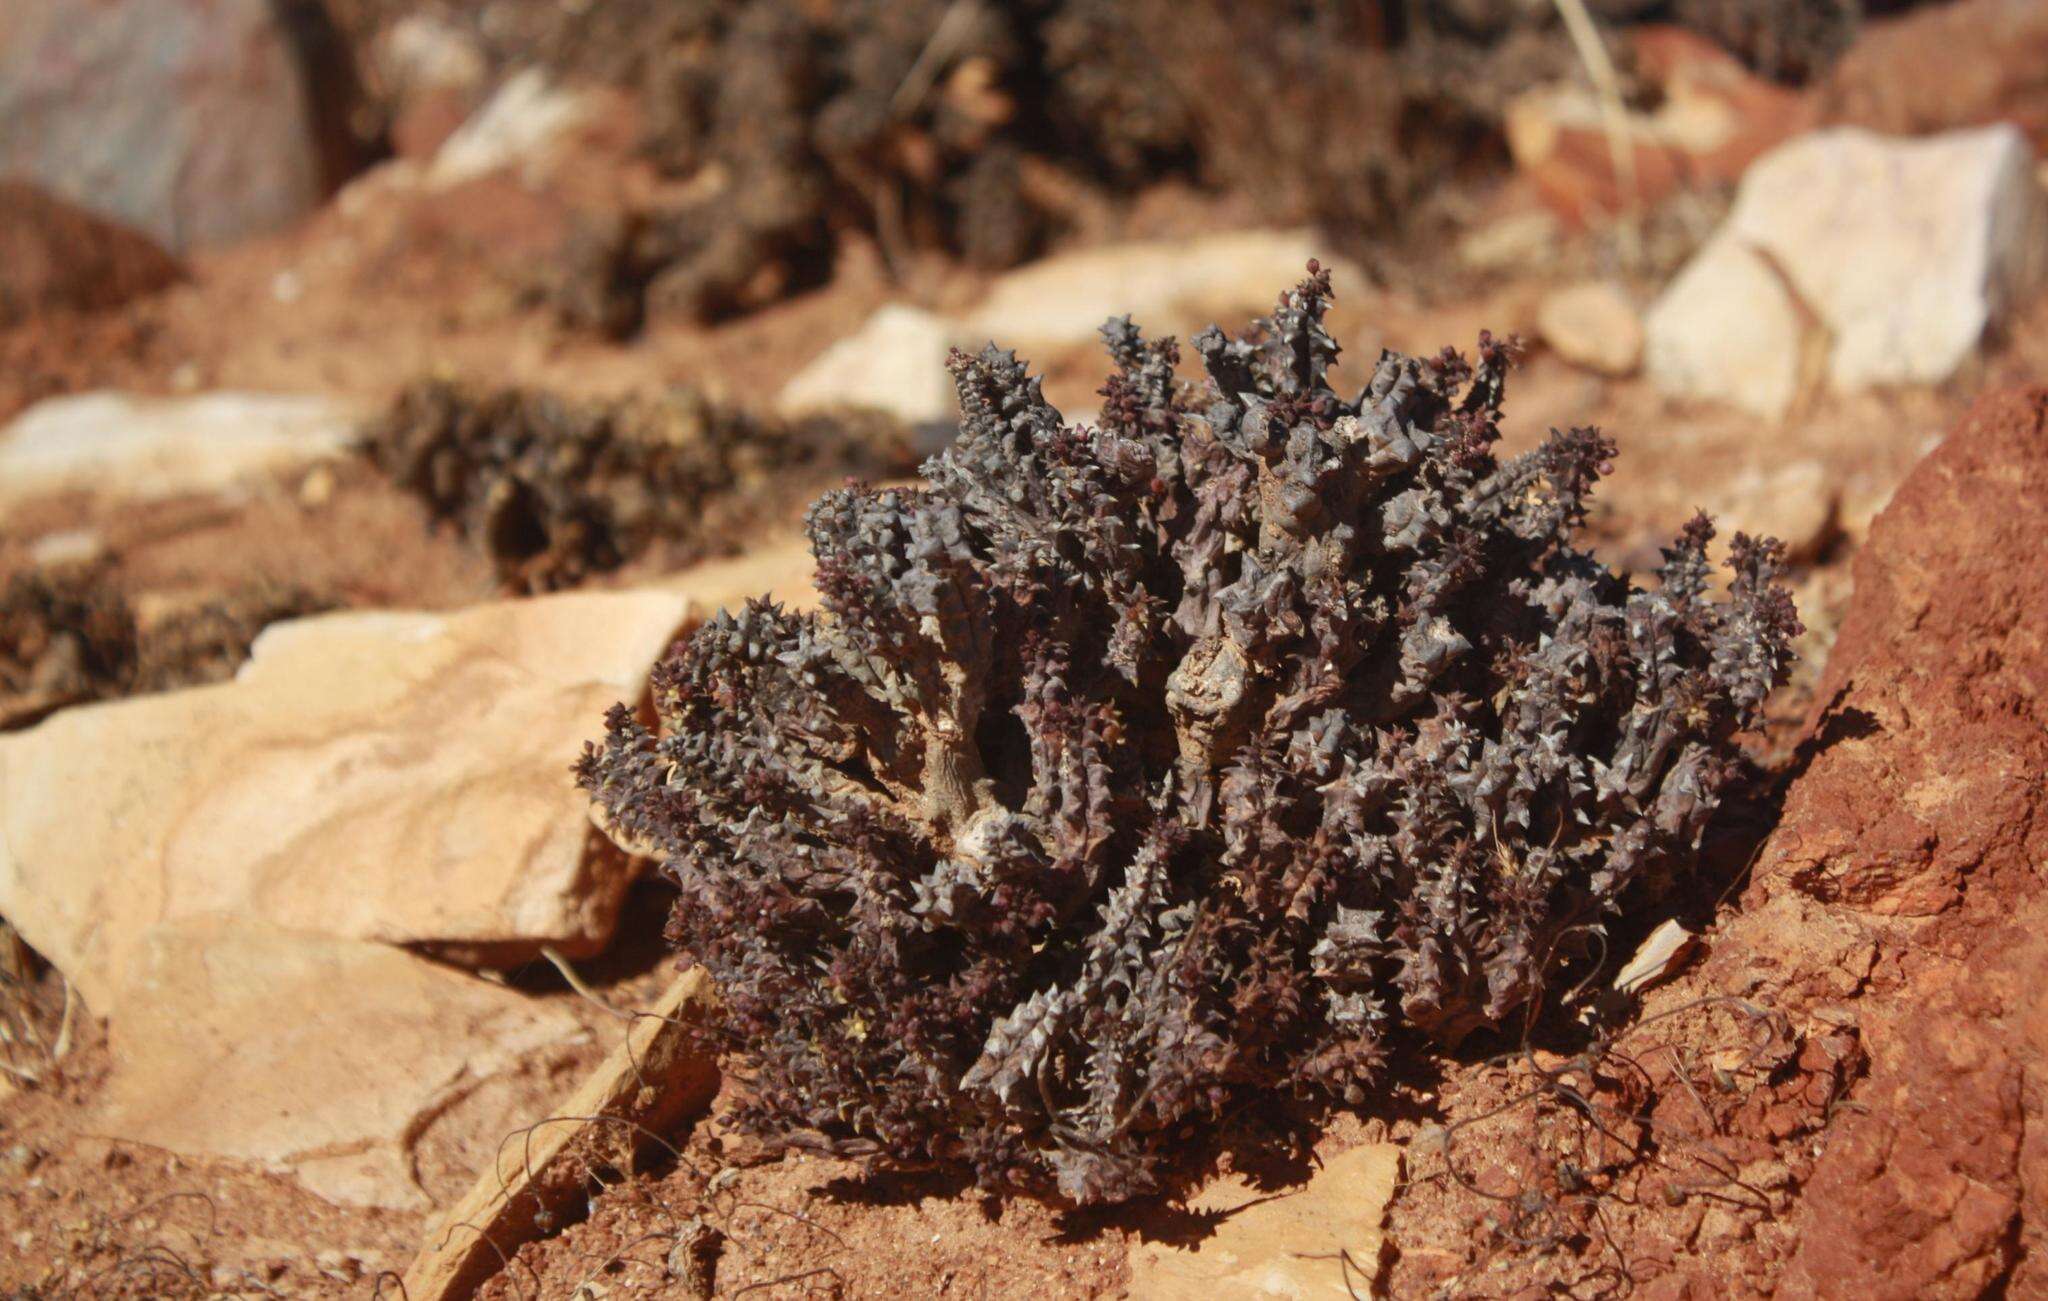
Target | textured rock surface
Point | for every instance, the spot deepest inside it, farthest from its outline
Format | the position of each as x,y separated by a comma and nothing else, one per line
1927,794
198,121
1170,285
325,1057
390,776
120,446
1320,1240
1937,1184
1937,738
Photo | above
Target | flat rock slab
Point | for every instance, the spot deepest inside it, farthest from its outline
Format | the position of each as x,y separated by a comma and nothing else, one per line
123,447
895,362
400,777
1323,1239
319,1057
1163,286
778,570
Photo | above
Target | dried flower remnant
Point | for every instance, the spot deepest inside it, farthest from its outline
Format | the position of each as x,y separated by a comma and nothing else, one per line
1133,770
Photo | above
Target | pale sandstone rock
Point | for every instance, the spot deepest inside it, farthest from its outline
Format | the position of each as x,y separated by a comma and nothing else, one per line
1886,260
1165,286
516,126
390,776
895,362
779,570
122,446
1281,1245
1592,324
1906,249
322,1057
1795,502
1727,329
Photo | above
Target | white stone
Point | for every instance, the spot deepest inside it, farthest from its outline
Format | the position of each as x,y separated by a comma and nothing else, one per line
1656,958
1887,258
422,51
399,777
1165,286
67,547
1904,248
118,445
1727,329
895,363
520,121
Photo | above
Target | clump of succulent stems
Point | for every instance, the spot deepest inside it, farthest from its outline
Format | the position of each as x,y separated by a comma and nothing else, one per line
1135,769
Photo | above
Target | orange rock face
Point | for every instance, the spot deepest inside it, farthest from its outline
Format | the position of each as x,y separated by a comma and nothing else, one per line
1932,750
1927,797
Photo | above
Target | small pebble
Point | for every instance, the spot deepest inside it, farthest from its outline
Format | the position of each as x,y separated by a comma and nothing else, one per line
317,488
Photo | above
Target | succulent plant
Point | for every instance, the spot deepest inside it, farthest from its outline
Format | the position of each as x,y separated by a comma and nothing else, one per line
555,489
69,634
1215,749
